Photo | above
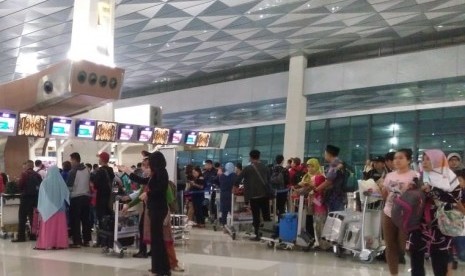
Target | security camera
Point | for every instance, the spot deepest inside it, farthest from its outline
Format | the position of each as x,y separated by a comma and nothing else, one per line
82,76
92,78
48,87
103,80
113,83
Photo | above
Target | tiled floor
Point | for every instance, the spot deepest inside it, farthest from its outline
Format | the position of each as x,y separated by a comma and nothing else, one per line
206,253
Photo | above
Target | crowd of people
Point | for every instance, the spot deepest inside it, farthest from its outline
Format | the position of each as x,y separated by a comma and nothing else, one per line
440,179
79,196
70,203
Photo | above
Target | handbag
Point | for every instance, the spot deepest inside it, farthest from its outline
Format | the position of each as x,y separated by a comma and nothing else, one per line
270,192
450,222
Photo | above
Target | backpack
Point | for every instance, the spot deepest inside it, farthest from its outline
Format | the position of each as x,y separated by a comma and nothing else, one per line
278,178
408,210
349,180
32,184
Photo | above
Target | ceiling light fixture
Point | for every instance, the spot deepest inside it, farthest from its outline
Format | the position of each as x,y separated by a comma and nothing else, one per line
27,63
440,26
334,9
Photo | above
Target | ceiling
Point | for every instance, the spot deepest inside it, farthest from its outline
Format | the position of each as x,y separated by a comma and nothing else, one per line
169,40
340,103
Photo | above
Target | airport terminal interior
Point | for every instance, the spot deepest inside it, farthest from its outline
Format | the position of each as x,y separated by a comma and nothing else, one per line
206,82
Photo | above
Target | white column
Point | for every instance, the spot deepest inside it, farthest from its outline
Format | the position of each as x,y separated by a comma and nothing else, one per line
296,111
92,36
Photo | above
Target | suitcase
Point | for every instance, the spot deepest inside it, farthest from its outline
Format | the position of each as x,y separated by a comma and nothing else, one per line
336,222
288,227
352,236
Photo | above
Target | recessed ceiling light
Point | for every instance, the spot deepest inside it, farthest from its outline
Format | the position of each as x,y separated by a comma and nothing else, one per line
334,9
440,26
261,15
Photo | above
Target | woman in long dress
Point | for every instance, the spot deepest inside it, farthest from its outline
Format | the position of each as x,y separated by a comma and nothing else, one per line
157,207
53,197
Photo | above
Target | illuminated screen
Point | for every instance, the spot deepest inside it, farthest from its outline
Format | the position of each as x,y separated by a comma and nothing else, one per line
161,136
7,122
176,137
105,131
85,129
191,138
60,127
145,134
32,125
203,139
125,132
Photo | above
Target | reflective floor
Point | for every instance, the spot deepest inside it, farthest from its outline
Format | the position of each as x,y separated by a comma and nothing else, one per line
206,253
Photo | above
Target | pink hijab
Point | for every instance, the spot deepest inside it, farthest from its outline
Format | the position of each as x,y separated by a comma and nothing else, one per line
441,177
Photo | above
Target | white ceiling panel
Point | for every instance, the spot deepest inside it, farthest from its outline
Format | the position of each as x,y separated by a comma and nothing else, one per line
213,35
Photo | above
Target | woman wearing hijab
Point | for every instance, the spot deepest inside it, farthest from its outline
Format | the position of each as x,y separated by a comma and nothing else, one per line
441,187
157,206
226,180
315,178
53,197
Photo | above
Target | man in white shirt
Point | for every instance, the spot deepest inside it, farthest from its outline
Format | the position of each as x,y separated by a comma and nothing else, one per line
40,168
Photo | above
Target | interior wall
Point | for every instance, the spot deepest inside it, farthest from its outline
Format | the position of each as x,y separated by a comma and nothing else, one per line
132,155
87,149
447,62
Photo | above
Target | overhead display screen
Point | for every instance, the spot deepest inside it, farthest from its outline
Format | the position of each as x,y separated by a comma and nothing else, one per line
60,126
105,131
126,132
7,123
144,134
85,128
203,139
161,136
32,125
191,138
175,137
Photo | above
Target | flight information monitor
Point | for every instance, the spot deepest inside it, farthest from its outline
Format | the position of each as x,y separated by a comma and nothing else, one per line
85,128
7,122
60,127
145,134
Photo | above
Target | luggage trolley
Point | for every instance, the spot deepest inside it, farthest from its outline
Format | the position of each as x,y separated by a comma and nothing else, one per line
290,231
241,215
9,208
370,244
126,229
359,233
180,228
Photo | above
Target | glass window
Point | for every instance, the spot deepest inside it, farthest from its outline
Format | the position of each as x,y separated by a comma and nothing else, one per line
316,138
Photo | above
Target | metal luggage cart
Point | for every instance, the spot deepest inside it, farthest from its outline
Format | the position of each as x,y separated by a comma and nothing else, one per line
364,238
125,226
302,240
241,216
180,228
216,221
9,208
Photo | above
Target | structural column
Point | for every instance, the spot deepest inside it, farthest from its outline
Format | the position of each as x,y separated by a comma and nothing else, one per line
296,110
